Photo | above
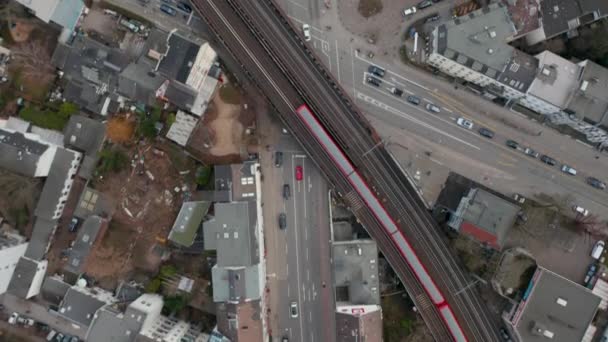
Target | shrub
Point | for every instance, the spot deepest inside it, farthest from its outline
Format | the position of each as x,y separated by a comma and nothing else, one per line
112,160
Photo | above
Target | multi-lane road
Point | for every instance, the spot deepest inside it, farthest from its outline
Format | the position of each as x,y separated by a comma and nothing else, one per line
259,38
499,166
298,256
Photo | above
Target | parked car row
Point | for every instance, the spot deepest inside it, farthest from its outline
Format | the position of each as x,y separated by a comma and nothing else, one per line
565,168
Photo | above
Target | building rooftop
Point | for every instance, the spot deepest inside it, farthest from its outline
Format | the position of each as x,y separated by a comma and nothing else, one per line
525,15
188,222
54,289
139,82
232,232
27,278
485,216
111,324
590,98
20,154
559,16
181,95
599,6
355,269
91,72
92,228
182,128
556,80
236,284
181,55
41,236
55,184
93,202
240,322
84,134
80,307
554,308
358,323
479,41
67,13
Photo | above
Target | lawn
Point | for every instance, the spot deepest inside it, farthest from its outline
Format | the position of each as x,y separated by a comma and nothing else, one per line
49,117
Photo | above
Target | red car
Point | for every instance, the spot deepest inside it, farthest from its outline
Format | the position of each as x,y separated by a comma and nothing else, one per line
299,173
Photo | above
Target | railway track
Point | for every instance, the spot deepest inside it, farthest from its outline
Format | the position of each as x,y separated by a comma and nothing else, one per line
258,36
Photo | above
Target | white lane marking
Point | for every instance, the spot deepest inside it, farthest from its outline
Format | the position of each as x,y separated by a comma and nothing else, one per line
295,3
427,100
447,109
308,275
352,70
287,269
307,254
403,85
310,319
295,210
394,111
338,61
288,289
436,161
393,73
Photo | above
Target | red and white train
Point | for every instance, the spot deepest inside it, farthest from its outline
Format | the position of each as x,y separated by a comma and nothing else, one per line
384,218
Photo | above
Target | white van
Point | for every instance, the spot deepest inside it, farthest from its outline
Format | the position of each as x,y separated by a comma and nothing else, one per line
51,335
569,170
598,249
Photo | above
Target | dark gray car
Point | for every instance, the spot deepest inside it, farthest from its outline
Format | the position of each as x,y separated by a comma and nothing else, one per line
376,70
286,191
486,133
282,221
278,159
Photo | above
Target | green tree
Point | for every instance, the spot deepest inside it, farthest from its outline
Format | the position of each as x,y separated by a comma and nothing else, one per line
167,271
203,175
153,286
170,120
147,123
112,160
174,304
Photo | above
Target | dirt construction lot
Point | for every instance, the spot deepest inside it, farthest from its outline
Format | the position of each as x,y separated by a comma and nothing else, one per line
147,204
220,136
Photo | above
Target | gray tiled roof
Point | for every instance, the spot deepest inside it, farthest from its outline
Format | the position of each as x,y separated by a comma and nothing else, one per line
55,183
111,324
79,307
479,41
19,154
84,134
181,95
41,236
600,6
233,234
54,289
22,278
179,59
87,235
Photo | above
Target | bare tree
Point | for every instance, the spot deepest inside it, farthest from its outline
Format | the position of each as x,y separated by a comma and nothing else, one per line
34,61
593,225
11,10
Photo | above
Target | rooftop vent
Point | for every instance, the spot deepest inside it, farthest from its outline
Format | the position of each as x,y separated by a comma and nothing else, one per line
562,302
492,34
490,51
546,71
584,85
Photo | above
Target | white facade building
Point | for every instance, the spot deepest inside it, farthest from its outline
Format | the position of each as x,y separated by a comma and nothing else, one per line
12,247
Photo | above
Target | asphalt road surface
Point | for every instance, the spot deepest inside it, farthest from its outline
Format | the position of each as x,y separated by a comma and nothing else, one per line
515,171
299,261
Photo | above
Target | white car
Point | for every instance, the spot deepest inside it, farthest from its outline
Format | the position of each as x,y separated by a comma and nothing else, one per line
580,210
13,318
462,122
409,11
293,310
306,31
